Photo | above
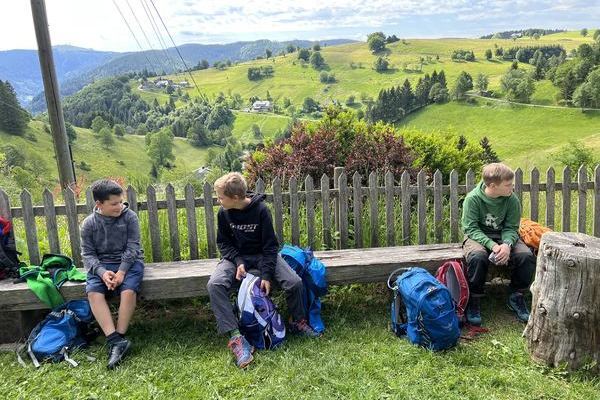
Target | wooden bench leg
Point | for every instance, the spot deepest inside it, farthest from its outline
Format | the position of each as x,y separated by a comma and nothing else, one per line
16,325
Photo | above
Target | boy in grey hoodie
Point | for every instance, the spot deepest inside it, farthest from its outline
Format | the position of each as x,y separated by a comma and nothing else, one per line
110,247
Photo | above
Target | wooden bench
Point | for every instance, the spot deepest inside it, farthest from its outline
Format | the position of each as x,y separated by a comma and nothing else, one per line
20,308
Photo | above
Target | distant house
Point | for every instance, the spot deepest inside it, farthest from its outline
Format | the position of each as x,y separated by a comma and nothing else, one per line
201,172
262,106
183,84
163,83
145,84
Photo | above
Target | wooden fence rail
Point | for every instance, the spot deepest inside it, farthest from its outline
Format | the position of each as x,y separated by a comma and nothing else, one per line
428,211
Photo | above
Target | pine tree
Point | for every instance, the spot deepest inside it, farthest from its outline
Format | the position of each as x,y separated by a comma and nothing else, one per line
406,97
462,142
13,119
489,155
442,79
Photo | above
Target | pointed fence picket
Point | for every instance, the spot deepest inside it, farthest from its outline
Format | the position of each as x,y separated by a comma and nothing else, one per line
366,212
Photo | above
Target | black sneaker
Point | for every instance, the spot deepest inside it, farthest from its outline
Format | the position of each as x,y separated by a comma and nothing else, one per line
516,302
473,313
117,351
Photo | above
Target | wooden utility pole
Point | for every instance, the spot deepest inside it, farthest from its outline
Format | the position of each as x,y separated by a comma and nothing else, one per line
55,114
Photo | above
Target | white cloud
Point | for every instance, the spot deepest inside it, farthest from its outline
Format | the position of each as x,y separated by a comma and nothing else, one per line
97,23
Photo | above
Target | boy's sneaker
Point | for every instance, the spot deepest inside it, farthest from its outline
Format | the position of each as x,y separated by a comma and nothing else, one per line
117,351
303,328
516,302
242,351
473,313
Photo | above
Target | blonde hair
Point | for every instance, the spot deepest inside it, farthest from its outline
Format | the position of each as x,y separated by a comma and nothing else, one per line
496,173
232,184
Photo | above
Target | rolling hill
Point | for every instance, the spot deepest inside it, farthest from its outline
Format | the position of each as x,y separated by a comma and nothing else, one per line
352,65
127,158
523,136
77,67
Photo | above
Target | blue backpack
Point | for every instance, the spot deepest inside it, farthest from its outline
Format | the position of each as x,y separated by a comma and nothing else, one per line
312,272
423,310
260,323
64,330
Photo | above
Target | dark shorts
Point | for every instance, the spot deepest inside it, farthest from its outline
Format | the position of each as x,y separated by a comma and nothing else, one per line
132,281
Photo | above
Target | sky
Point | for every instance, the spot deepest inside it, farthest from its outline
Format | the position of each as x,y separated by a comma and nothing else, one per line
98,24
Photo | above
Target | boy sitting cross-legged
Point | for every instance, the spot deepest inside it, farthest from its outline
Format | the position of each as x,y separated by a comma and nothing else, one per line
110,247
247,243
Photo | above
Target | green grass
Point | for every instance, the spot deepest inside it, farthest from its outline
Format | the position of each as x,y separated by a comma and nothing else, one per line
545,93
178,355
522,136
127,158
269,124
298,82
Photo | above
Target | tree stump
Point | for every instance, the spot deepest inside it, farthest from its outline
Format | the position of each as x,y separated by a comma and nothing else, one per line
564,326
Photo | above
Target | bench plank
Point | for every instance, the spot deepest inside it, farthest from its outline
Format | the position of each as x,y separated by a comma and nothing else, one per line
180,279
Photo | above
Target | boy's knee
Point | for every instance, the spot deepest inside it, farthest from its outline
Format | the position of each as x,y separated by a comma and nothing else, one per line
128,293
477,257
524,260
95,296
214,285
294,284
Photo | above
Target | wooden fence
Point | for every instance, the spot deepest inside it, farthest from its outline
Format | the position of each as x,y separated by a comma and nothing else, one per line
341,207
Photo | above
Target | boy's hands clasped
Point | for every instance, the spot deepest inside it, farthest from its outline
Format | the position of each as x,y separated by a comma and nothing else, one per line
502,253
113,280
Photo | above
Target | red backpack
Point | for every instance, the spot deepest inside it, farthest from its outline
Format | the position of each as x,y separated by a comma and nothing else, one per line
452,275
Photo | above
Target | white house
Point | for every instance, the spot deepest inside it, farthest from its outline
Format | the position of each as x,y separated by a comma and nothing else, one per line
262,106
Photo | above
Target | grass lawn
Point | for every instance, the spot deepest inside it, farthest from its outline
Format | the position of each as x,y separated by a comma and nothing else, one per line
178,354
269,124
352,65
126,158
522,136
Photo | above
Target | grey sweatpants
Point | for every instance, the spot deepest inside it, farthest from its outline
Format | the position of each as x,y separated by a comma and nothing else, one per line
222,281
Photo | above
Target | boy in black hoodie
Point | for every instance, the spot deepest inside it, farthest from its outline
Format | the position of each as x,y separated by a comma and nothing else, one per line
247,242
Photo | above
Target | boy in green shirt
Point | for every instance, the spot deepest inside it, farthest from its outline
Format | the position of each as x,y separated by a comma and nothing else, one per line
490,222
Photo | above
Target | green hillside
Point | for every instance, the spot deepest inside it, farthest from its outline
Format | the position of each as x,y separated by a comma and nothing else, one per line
127,158
352,66
269,124
522,136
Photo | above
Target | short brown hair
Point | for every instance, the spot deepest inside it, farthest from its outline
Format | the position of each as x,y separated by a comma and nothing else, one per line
102,189
496,173
232,184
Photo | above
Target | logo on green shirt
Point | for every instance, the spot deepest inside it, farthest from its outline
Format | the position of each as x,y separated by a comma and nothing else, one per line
490,221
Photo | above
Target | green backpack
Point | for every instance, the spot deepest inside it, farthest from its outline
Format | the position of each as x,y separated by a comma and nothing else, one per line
45,280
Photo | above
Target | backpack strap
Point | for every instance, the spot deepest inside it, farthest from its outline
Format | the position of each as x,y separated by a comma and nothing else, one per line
35,361
68,359
55,279
395,272
245,296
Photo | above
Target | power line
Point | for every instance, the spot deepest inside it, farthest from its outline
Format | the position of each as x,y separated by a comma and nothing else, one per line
177,49
132,33
145,36
158,34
